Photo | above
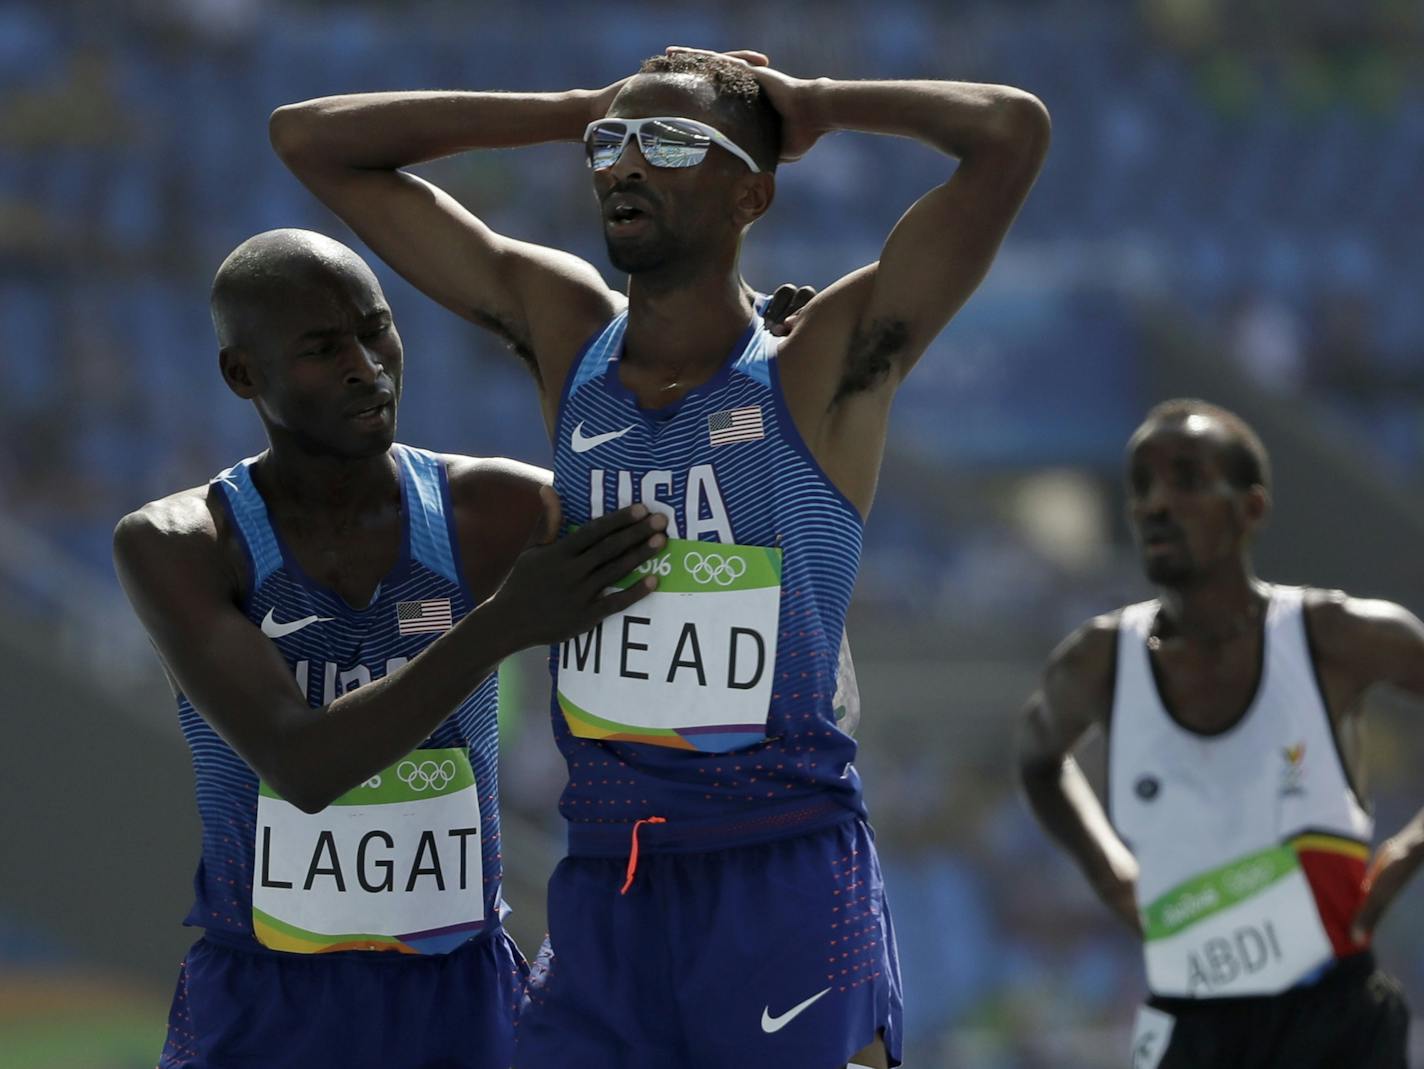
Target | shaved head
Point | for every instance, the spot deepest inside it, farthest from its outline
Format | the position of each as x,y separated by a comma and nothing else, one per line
305,334
266,271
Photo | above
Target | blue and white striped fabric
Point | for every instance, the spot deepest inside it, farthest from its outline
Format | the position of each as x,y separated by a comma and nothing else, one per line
342,649
762,490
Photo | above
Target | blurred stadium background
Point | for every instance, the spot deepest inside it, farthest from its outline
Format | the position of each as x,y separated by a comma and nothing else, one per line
1231,209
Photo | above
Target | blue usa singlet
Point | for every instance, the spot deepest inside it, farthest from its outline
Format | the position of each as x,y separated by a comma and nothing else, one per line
708,703
407,861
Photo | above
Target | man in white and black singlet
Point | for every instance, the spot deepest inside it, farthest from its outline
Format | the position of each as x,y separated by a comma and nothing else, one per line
1235,839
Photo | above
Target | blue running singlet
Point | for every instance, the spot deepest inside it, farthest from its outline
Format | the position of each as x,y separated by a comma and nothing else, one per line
331,649
407,861
709,703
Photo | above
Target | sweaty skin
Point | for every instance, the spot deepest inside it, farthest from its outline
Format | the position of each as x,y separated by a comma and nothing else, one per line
854,342
315,348
1194,531
851,346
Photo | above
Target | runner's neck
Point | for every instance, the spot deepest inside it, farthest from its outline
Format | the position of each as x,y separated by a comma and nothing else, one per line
1212,614
682,333
293,481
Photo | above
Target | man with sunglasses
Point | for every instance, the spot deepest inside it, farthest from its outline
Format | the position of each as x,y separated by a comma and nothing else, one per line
721,902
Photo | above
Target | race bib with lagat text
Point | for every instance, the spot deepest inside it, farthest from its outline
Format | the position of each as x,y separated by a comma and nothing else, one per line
393,864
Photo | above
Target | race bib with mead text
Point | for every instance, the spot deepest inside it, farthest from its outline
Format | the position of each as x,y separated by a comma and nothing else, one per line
690,666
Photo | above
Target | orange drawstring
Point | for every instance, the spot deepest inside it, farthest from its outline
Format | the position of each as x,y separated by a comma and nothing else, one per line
633,853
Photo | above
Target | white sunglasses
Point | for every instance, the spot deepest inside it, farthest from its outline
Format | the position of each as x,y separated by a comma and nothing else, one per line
664,141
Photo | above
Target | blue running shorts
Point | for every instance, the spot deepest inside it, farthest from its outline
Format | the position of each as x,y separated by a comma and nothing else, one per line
248,1008
767,956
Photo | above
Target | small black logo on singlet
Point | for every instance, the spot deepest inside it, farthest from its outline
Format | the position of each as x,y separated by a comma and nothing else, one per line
1147,787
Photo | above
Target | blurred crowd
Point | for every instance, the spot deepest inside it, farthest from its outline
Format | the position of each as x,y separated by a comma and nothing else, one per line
1248,174
1242,172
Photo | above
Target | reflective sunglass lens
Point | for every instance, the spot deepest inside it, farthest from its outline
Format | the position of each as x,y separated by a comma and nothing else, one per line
671,144
605,144
677,133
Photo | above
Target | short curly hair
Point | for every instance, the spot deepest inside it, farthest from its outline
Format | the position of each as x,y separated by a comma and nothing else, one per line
754,123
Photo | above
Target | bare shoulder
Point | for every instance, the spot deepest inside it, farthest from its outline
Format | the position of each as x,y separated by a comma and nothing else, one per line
838,377
1344,627
814,356
1075,695
179,548
563,278
486,482
497,507
566,299
188,519
1083,664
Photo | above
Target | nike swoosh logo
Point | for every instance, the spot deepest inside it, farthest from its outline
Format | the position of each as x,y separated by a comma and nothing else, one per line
272,629
582,444
770,1024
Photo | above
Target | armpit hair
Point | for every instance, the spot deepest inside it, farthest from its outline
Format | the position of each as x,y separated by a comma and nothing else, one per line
518,346
868,360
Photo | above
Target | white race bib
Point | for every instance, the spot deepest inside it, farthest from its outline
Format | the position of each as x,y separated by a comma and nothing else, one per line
1151,1036
1248,928
393,864
690,666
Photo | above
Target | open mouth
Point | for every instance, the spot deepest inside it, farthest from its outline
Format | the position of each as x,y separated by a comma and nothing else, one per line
372,414
621,214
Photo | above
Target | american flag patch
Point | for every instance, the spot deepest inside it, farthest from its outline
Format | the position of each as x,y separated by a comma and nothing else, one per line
422,617
735,425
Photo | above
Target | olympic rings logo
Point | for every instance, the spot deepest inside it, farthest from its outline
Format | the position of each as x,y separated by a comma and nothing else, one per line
427,775
714,568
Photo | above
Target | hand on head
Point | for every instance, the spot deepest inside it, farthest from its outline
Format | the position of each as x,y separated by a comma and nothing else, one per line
791,97
562,586
746,55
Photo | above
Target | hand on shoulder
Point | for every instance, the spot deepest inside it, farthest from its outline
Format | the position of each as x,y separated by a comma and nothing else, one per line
496,503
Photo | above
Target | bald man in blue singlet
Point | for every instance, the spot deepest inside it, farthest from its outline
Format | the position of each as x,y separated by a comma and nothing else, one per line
330,614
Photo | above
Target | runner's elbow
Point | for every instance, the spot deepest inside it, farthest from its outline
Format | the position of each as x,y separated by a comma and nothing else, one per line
290,130
297,783
305,796
1023,123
